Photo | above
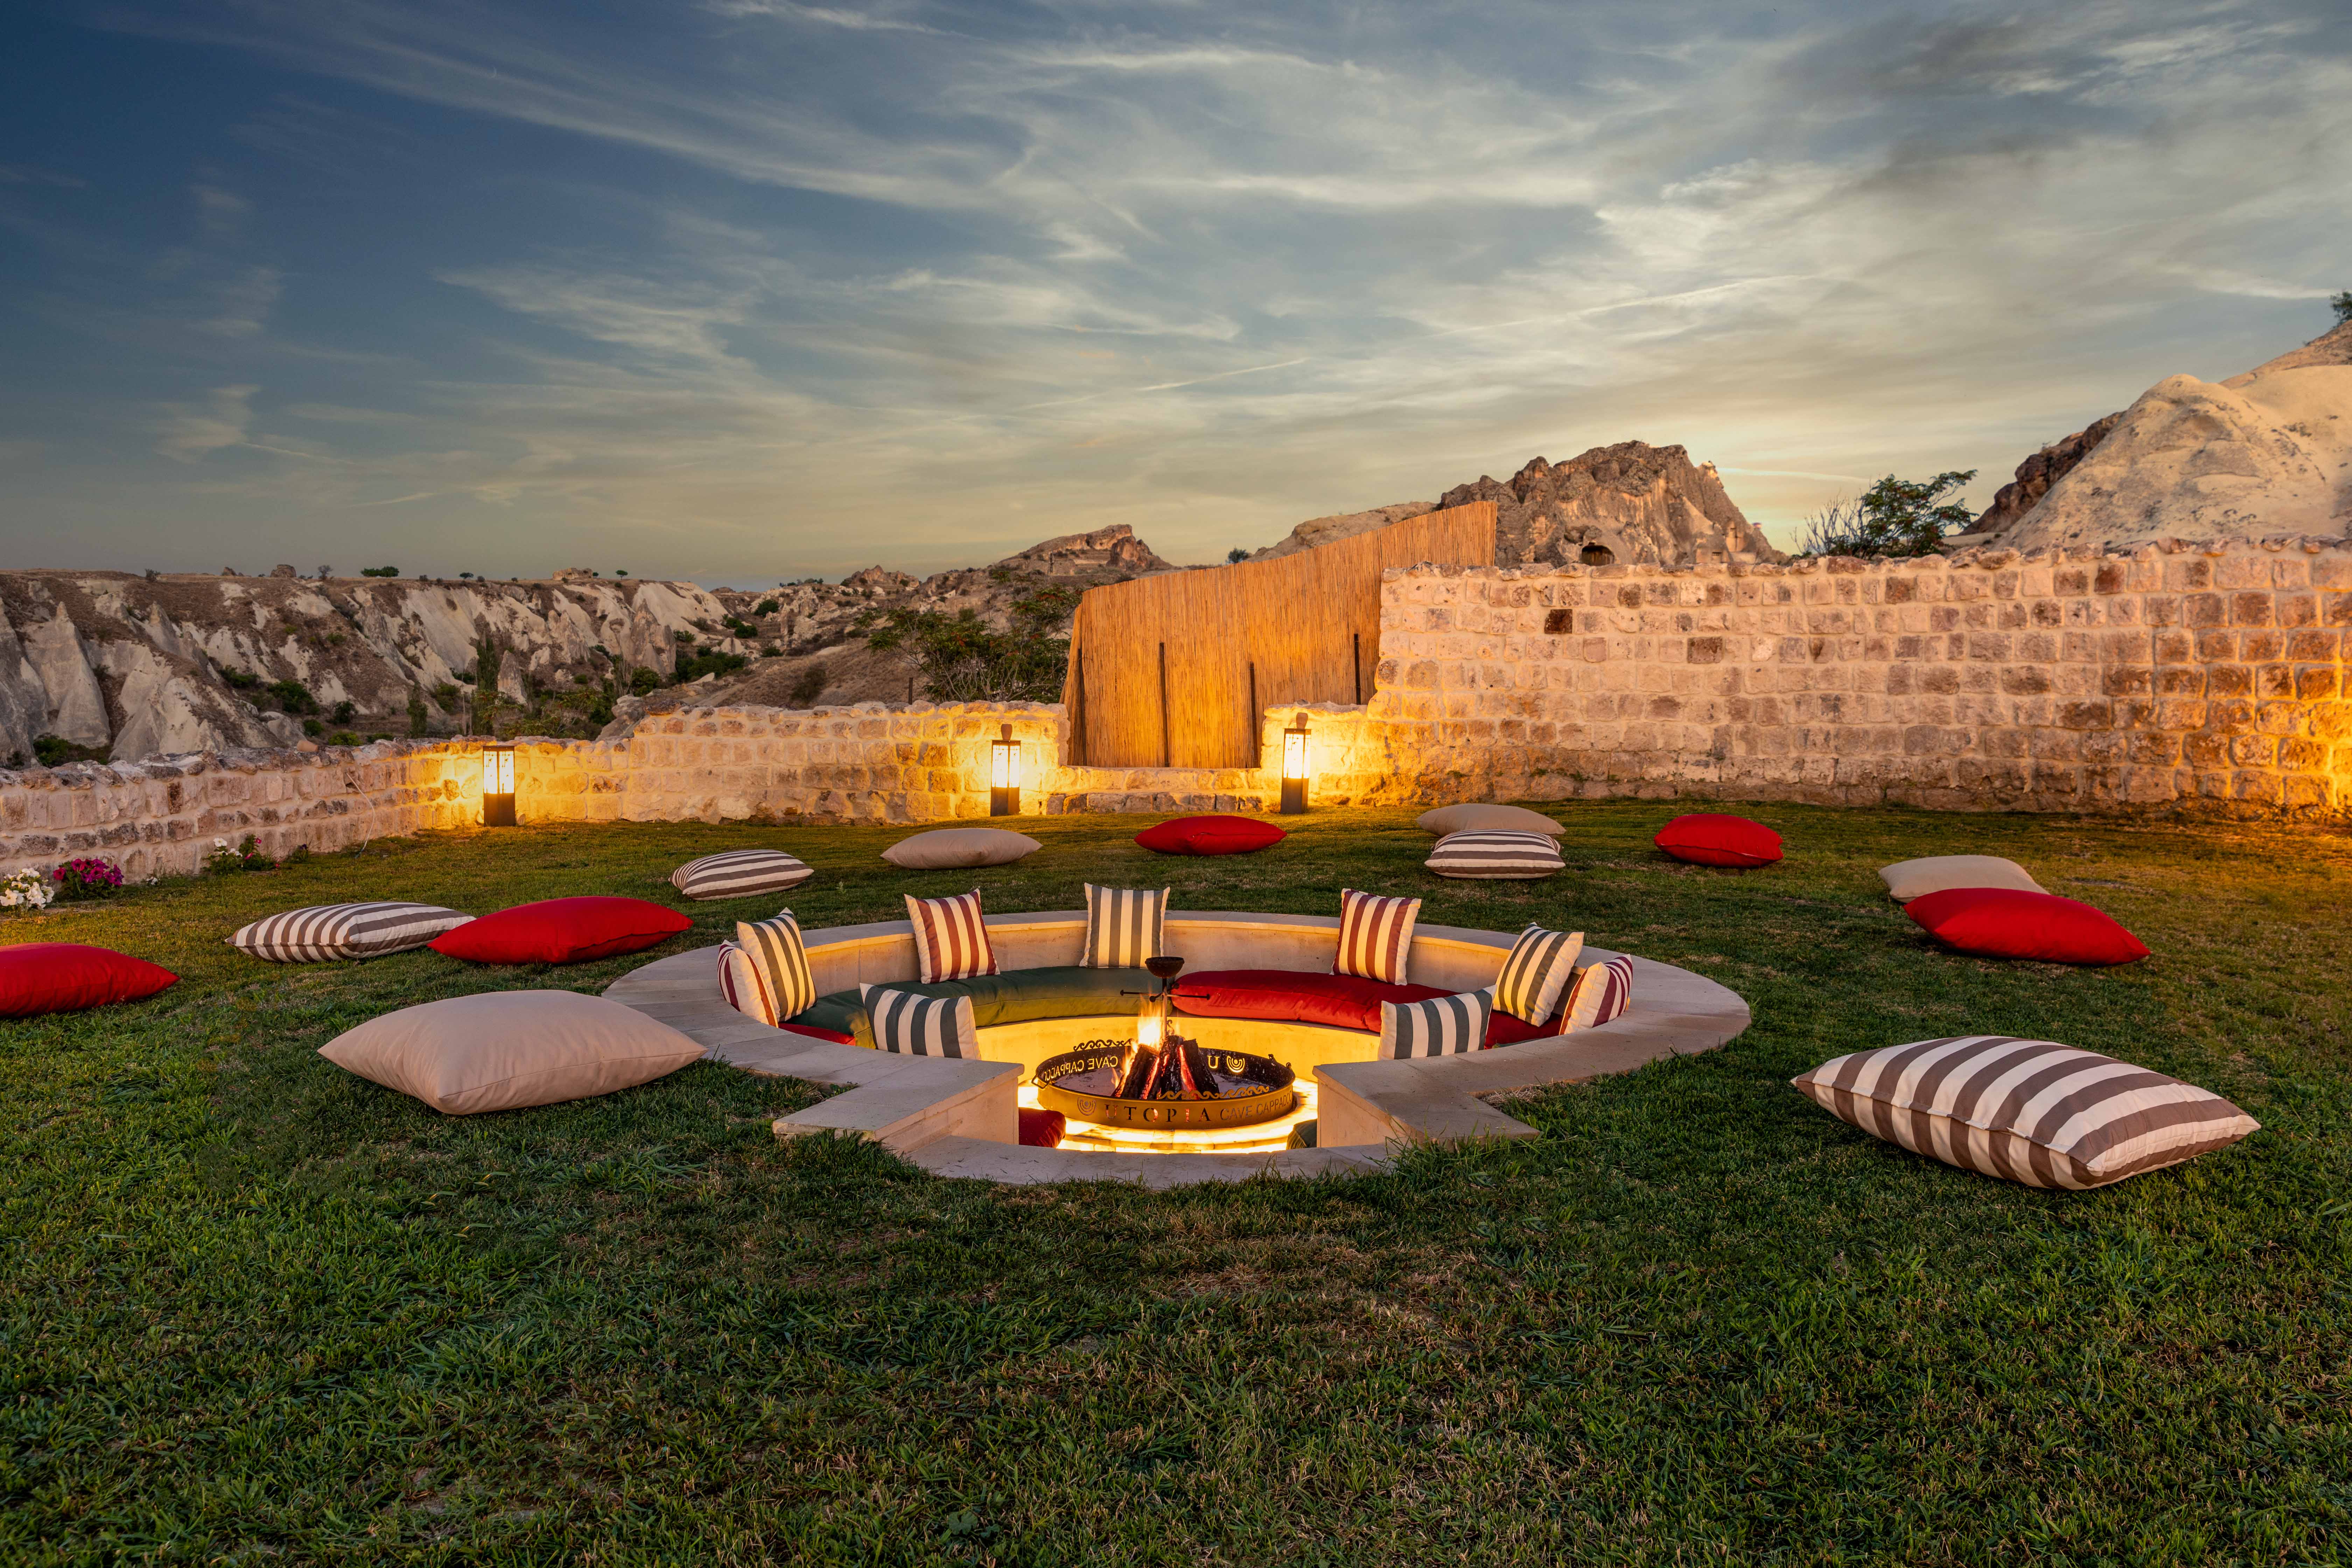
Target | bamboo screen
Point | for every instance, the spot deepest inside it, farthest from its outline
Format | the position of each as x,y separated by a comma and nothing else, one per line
1173,670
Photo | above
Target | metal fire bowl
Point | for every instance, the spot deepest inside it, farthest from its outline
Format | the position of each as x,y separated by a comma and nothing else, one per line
1268,1096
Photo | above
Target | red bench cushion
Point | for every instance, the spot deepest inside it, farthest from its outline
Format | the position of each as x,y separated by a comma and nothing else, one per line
1210,836
1713,838
1336,1001
2008,922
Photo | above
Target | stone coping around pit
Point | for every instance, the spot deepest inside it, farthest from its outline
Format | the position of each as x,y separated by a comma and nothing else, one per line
961,1117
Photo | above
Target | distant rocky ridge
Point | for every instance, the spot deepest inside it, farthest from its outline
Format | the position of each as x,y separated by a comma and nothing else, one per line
2264,453
1640,504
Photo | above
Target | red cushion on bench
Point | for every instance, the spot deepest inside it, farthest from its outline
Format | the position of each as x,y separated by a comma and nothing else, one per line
1335,1001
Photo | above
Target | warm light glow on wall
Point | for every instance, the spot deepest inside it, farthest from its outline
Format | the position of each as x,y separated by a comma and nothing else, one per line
1004,775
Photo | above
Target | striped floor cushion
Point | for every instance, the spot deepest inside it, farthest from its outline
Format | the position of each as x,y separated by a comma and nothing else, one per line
327,931
1488,854
2029,1110
739,874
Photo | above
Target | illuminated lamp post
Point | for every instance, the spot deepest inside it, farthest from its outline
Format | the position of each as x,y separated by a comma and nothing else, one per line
1294,766
498,785
1004,775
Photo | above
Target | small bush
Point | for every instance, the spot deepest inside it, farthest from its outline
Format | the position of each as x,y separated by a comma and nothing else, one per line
808,688
645,679
1239,552
92,876
694,667
292,697
223,858
55,751
313,729
240,679
343,738
766,607
379,570
344,712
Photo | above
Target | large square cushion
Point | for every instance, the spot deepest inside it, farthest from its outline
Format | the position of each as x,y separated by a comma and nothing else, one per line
1334,1001
506,1050
561,931
37,977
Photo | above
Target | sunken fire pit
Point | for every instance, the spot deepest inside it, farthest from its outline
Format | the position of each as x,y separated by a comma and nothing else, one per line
1159,1081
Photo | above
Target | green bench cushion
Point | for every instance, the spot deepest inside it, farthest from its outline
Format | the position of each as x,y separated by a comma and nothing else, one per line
1015,996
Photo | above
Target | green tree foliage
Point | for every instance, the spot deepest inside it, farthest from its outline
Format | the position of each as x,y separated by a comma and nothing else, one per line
766,607
2342,306
379,570
964,659
644,679
806,688
1238,554
1893,517
417,717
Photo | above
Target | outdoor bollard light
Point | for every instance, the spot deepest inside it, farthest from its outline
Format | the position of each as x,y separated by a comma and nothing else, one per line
1004,775
498,785
1294,766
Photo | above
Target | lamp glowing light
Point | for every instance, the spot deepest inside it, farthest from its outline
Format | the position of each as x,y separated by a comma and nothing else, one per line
1004,775
498,785
1294,766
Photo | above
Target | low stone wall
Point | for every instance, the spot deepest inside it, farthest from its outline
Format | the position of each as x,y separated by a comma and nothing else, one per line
2206,677
2178,678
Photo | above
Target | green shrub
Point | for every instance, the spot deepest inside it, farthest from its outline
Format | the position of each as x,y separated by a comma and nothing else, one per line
1893,517
55,750
379,570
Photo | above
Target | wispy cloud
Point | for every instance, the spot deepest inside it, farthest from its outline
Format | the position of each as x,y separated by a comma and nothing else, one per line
806,286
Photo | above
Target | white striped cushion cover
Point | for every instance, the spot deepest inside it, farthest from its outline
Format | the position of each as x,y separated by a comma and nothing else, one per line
779,964
1441,1027
1123,926
1375,936
739,874
1491,854
1537,973
739,983
327,931
950,938
909,1023
1603,992
2029,1110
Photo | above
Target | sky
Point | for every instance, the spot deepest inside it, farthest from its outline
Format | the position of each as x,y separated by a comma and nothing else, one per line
749,291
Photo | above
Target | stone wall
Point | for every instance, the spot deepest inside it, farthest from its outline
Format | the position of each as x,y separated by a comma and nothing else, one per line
2178,678
2205,676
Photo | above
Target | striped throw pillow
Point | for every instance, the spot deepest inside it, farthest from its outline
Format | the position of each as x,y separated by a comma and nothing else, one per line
780,962
1603,992
327,931
1441,1027
950,938
1491,854
739,981
1537,971
1375,936
2029,1110
908,1024
739,874
1123,926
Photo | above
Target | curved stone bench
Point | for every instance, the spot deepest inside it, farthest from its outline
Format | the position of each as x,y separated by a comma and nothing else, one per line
961,1119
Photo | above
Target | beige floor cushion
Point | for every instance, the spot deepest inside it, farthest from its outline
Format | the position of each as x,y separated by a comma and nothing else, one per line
2027,1110
944,847
1478,816
505,1049
1909,879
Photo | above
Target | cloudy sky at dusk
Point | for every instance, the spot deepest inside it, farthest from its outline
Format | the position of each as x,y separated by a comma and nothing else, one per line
750,289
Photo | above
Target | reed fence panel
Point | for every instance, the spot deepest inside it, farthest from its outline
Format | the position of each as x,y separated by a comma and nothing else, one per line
1174,670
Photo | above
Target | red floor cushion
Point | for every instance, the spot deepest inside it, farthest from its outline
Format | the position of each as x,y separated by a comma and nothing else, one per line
1713,838
40,977
561,931
1043,1129
1210,835
1336,1001
2010,922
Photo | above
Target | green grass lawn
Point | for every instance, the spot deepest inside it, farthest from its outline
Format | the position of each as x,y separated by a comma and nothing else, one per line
255,1309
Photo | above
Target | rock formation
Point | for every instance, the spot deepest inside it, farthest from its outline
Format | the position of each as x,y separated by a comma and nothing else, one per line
2036,475
1640,503
135,666
2266,452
